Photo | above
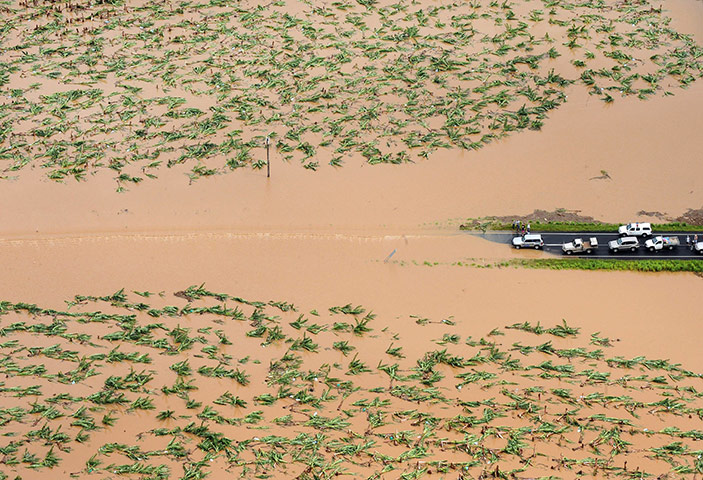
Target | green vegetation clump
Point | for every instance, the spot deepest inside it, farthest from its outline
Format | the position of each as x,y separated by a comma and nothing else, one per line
611,264
127,388
581,263
133,88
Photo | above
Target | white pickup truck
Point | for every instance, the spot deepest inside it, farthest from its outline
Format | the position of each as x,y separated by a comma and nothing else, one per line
579,246
660,243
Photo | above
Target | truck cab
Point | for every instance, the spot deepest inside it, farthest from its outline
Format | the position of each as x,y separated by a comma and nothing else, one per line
578,245
635,230
659,242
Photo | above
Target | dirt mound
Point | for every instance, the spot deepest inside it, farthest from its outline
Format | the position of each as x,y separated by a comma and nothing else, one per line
542,216
692,217
658,215
558,215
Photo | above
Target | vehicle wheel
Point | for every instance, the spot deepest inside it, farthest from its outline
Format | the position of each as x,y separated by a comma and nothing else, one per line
588,251
517,247
569,252
536,247
651,249
671,248
633,249
615,250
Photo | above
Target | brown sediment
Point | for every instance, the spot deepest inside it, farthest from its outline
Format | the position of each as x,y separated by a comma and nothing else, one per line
692,216
559,215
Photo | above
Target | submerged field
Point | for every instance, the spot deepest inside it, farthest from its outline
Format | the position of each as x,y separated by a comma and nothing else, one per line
194,383
348,341
136,86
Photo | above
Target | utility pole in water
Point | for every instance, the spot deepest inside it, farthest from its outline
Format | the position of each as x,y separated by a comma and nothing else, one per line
268,161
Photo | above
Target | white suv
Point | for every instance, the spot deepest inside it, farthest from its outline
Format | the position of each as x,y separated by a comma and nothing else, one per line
531,240
635,230
624,243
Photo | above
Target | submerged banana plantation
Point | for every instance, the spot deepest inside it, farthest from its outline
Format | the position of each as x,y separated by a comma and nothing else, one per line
197,383
138,86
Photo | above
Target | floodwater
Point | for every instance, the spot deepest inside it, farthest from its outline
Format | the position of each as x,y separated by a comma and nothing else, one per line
650,149
316,270
643,314
320,238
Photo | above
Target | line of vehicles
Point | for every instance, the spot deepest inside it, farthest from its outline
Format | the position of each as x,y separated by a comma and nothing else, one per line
629,240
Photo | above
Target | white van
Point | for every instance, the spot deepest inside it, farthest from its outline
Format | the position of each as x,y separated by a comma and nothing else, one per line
635,230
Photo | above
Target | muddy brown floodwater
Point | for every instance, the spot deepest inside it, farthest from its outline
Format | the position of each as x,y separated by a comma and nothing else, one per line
650,149
642,309
320,239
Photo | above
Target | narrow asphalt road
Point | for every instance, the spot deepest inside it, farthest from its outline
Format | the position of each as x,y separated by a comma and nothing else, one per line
554,241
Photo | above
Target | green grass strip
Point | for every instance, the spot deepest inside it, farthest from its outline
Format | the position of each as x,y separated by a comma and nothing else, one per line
611,264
